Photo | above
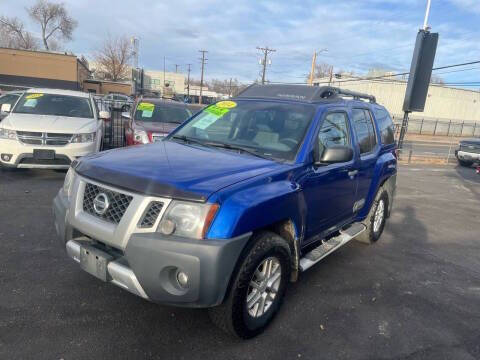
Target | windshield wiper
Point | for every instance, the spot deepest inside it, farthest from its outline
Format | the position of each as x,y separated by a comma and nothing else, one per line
239,148
187,139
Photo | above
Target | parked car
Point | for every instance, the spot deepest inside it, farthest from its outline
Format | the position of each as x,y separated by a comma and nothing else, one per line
49,129
235,202
468,151
153,119
10,98
119,102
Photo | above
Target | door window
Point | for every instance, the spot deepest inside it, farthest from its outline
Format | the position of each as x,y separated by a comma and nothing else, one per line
364,129
334,131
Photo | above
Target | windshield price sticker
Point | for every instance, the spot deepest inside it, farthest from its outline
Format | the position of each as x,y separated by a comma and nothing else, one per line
147,113
146,106
214,110
33,96
205,121
30,103
226,104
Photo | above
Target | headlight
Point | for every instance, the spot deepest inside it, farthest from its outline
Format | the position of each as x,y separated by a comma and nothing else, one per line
187,219
8,134
67,184
140,136
84,138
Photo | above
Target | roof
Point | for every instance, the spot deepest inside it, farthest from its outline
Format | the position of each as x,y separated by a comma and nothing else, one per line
58,92
302,93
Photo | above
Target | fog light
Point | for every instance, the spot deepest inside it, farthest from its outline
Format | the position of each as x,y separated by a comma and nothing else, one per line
6,157
167,227
182,279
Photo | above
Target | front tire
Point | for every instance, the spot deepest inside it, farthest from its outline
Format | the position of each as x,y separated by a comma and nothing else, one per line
258,288
375,221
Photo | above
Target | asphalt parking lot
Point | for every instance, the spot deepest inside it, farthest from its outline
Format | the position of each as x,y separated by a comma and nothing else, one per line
413,295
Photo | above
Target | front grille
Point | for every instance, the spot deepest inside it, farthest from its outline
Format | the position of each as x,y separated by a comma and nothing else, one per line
471,148
157,137
118,203
151,214
57,161
38,138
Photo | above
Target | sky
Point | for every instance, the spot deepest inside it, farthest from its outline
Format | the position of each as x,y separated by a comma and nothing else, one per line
359,34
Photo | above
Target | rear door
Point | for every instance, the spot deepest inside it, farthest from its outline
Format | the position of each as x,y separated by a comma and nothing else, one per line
368,149
330,189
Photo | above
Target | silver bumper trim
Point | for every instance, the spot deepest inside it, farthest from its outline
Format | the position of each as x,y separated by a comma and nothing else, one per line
121,275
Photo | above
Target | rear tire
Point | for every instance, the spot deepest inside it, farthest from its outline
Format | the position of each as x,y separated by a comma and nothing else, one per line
375,221
256,293
465,163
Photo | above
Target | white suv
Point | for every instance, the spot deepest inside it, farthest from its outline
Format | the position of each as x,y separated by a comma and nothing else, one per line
49,129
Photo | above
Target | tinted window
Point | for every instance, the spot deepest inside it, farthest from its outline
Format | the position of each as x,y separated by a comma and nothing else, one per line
334,131
8,99
271,129
50,104
364,129
385,125
164,113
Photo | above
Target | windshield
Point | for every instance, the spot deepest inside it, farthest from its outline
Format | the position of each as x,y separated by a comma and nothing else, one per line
164,113
59,105
270,129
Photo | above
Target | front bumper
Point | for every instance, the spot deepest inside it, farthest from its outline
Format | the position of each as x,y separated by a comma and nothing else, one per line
22,154
150,262
467,156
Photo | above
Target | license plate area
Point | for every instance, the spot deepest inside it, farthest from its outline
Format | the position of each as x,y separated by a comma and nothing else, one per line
95,261
40,154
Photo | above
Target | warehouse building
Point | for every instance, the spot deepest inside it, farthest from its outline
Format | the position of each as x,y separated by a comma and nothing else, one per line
443,102
26,68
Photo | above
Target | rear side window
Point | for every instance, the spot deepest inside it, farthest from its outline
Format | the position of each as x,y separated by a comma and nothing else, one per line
364,129
385,125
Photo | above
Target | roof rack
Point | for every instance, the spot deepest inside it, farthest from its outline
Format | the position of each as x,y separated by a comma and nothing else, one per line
299,92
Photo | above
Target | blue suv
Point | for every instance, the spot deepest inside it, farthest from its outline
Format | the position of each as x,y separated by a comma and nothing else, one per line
236,202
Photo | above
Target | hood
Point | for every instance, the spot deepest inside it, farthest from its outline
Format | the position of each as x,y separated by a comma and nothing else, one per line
156,126
49,123
173,170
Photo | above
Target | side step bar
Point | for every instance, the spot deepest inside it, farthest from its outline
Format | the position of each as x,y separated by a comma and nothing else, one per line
330,246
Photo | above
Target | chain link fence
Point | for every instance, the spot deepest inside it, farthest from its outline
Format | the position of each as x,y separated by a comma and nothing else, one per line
438,127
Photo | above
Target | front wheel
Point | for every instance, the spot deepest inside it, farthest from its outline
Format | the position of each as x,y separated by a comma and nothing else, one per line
257,289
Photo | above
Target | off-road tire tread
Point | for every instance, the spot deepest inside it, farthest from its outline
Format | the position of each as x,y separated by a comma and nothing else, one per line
221,315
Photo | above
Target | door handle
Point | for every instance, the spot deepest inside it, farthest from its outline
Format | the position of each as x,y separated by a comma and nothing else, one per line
352,173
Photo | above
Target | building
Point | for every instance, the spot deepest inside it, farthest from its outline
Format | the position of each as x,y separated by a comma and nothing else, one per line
106,87
26,68
164,83
443,102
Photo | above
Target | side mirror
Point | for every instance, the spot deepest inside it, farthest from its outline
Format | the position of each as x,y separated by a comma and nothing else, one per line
334,154
104,115
126,115
6,108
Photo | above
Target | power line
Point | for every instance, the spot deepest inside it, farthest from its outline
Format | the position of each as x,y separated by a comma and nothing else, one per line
266,51
201,78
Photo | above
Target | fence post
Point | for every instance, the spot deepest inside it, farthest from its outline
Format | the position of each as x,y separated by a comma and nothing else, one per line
435,128
421,126
448,131
461,130
474,127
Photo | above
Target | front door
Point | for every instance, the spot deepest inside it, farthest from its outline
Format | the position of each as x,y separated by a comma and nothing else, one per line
330,190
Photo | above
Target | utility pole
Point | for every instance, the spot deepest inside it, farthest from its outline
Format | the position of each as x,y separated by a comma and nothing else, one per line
331,75
176,67
188,81
164,72
314,63
266,51
201,77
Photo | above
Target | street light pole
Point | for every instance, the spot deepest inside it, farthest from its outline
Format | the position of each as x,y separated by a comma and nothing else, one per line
427,13
314,63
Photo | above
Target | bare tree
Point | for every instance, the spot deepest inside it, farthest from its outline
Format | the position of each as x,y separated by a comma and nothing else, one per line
14,35
54,21
112,59
322,70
